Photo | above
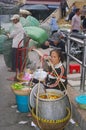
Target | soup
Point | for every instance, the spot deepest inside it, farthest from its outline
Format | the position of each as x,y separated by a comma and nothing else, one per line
50,96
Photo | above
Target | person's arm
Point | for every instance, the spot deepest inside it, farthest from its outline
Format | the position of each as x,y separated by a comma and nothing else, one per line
60,75
12,34
72,23
17,29
81,27
51,21
8,35
55,84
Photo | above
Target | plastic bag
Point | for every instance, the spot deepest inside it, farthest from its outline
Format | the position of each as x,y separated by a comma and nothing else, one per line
37,34
3,38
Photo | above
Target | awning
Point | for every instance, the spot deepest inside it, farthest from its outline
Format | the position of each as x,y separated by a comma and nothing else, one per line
53,6
34,7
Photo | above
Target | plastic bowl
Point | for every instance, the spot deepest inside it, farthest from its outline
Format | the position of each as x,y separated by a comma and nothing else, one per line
81,101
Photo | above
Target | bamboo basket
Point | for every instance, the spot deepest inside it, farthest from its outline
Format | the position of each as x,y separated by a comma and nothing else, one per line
44,124
20,77
21,92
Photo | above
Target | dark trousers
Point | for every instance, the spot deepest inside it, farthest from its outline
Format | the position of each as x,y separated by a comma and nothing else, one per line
76,31
14,52
54,32
16,59
63,12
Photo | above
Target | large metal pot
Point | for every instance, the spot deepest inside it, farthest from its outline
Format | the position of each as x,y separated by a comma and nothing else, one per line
53,109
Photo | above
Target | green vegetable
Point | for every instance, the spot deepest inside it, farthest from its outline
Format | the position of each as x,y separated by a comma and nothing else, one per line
17,86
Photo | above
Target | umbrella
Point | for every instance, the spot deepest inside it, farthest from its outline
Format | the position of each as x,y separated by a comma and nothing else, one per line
35,7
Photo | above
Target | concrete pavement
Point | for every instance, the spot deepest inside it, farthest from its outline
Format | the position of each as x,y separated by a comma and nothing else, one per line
9,117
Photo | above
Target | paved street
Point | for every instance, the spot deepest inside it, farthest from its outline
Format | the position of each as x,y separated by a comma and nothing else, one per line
9,117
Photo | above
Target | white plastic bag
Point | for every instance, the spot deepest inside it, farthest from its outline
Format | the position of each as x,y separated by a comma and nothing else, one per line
67,9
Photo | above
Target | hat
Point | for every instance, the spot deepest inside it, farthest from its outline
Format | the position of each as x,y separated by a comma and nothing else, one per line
55,37
53,15
21,11
15,16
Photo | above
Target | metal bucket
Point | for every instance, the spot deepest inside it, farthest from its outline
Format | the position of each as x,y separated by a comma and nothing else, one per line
53,109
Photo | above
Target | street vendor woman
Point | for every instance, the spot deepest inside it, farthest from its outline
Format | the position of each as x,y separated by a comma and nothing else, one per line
56,78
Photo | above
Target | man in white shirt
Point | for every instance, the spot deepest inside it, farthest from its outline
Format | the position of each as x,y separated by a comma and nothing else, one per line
76,21
17,34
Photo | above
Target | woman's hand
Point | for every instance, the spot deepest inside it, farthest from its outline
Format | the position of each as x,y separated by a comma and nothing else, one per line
8,35
55,84
47,43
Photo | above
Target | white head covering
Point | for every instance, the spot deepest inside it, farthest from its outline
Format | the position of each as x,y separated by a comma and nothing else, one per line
15,16
21,11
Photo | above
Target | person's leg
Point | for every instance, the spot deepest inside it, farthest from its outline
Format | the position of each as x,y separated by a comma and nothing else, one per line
62,13
75,31
14,59
65,12
13,78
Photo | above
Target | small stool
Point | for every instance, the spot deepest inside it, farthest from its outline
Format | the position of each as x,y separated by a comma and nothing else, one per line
75,67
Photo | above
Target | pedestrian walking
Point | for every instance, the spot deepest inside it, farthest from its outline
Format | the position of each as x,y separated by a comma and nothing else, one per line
76,21
63,6
73,10
53,24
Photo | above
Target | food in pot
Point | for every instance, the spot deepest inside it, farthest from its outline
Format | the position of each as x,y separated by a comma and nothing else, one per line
50,96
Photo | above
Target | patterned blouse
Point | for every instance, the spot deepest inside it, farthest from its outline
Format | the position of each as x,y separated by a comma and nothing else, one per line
57,79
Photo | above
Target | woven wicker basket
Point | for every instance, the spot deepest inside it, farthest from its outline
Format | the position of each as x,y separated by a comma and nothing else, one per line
21,92
44,124
20,77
